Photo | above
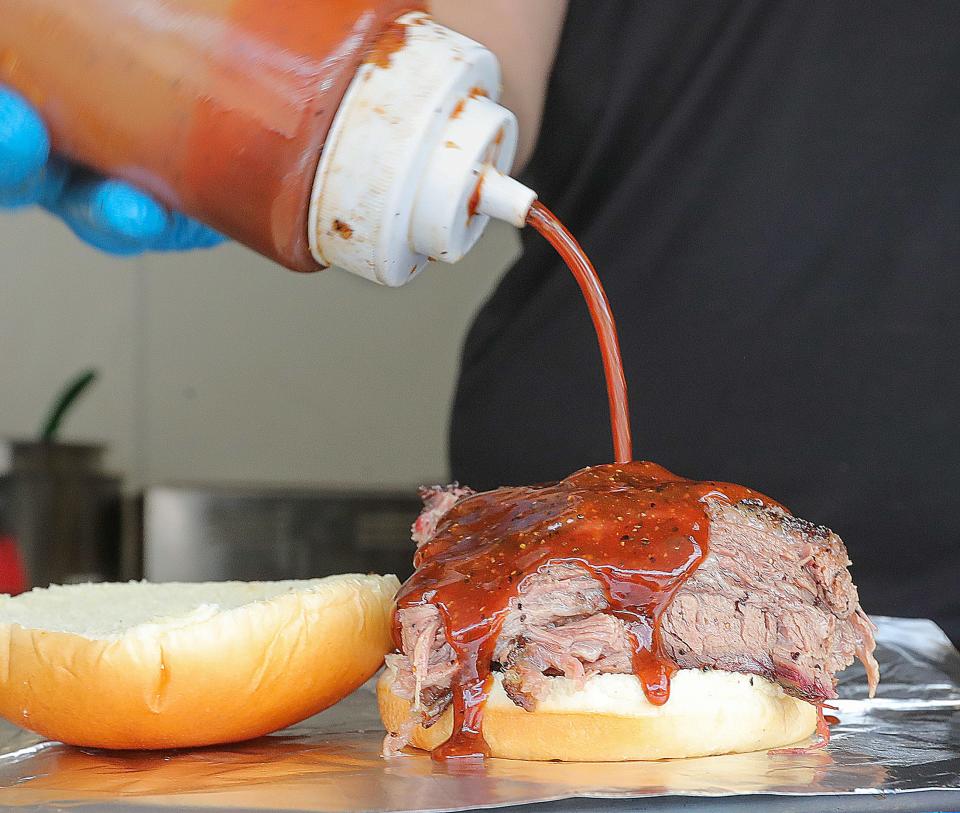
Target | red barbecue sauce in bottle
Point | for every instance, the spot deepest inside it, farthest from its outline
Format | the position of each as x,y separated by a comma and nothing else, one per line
219,108
639,530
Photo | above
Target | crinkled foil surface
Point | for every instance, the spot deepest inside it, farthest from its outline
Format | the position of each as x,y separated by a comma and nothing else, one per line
908,739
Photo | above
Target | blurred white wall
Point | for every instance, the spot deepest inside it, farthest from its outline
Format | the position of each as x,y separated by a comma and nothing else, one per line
218,366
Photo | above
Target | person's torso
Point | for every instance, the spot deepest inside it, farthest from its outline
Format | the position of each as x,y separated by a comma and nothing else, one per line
771,194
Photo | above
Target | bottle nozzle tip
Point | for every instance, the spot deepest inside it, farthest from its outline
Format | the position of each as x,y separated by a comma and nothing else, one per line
504,198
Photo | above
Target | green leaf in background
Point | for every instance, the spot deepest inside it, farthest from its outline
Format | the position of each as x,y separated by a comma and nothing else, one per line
66,399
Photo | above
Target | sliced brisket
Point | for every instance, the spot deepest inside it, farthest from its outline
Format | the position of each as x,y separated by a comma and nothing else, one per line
773,598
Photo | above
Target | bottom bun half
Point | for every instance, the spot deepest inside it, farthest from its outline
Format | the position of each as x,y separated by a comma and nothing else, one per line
609,719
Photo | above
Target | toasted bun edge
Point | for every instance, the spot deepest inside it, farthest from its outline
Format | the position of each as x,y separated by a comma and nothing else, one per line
708,713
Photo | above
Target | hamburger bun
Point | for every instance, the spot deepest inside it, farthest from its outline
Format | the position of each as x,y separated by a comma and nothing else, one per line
142,665
610,719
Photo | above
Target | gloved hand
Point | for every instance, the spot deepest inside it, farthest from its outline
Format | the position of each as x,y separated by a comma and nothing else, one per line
108,214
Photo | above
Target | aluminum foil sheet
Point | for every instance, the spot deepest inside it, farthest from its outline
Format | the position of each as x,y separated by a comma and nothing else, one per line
907,739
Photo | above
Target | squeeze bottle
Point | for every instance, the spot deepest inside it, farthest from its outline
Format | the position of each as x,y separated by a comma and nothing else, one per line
351,133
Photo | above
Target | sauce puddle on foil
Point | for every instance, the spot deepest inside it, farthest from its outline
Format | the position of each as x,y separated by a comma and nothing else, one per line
635,527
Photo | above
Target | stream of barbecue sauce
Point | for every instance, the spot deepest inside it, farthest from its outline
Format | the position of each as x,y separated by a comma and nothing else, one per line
547,223
635,527
639,530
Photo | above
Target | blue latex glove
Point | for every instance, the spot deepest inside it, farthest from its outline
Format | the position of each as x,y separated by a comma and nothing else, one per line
108,214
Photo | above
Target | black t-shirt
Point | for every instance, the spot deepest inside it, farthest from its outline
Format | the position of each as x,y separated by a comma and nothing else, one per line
771,194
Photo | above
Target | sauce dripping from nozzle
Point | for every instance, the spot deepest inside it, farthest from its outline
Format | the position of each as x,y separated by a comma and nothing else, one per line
545,222
639,530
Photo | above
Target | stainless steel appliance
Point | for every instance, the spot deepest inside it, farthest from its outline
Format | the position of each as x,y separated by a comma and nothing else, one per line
201,532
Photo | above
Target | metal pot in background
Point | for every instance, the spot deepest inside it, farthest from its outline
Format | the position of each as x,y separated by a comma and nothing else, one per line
64,511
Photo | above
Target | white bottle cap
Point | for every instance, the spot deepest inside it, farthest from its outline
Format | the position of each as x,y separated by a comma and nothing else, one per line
416,159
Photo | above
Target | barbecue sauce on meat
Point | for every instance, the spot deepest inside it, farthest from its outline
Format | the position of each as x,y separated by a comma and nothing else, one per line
638,529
